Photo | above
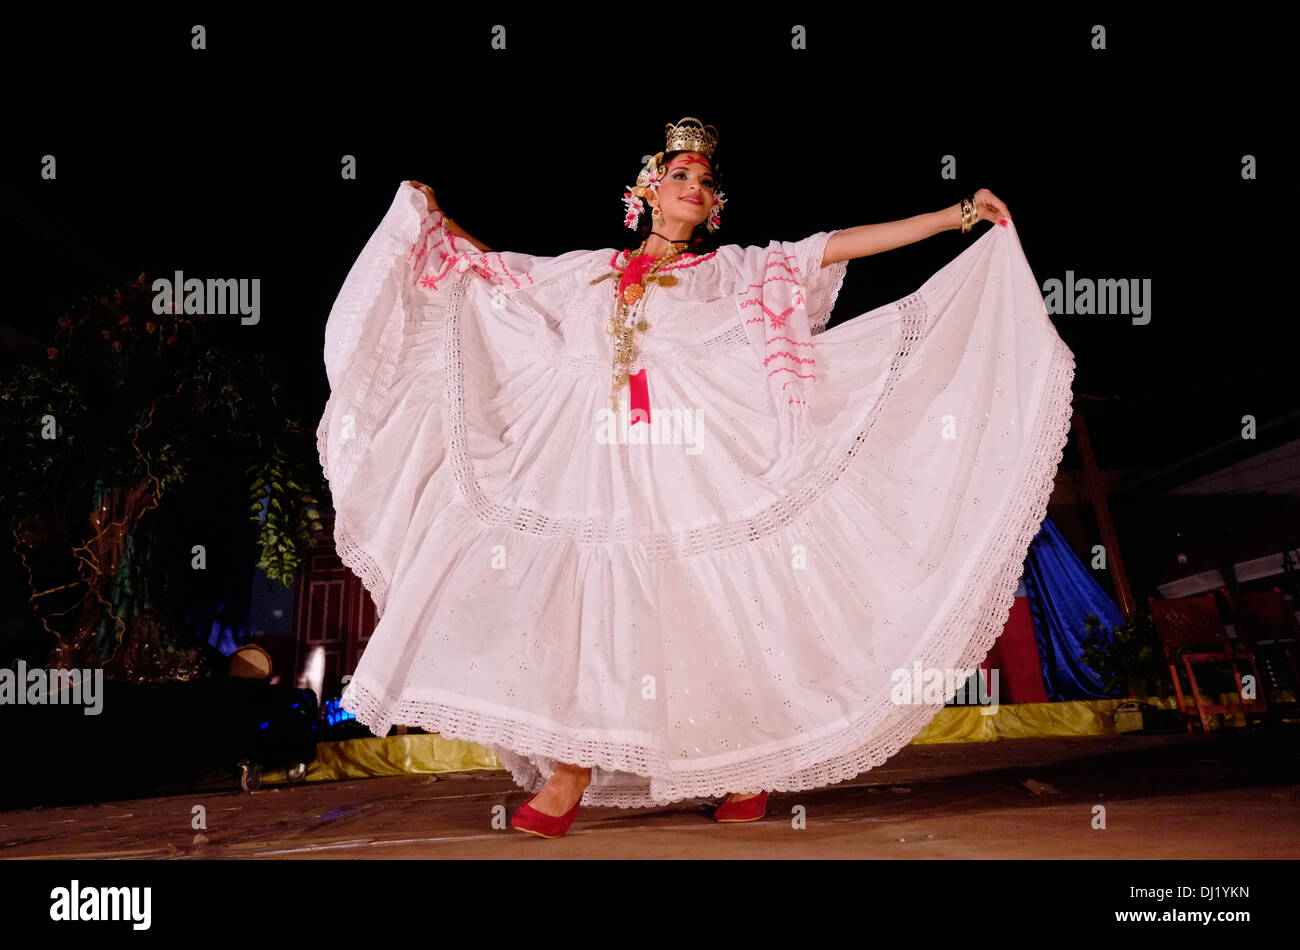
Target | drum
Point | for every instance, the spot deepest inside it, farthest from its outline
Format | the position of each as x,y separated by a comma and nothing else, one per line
250,662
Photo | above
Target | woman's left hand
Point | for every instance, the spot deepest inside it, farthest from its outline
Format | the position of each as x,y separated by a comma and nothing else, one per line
990,206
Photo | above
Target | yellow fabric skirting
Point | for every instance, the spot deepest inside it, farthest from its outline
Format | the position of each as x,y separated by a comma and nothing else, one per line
428,753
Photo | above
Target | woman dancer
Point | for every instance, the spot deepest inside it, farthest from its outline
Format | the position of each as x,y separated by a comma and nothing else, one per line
639,523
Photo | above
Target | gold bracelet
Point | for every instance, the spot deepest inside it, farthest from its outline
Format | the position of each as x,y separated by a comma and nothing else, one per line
969,215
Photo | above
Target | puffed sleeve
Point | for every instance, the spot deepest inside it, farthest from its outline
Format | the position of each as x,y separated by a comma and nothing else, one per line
784,296
411,260
821,284
384,339
749,267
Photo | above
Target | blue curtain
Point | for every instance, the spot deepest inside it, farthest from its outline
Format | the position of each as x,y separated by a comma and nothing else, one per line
1061,591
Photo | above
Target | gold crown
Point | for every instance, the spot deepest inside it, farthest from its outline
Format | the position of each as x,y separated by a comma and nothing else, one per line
690,138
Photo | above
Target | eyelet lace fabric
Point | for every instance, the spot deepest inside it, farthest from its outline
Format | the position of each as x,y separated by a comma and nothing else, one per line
673,620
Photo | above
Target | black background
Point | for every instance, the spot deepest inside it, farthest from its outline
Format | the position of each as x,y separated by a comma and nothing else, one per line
1120,163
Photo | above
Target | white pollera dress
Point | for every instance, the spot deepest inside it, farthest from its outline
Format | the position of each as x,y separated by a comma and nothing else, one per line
652,600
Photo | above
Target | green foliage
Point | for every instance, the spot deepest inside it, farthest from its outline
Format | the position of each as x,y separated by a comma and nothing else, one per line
285,511
173,411
1126,655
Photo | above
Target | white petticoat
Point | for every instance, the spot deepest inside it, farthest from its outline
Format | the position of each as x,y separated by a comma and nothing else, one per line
663,612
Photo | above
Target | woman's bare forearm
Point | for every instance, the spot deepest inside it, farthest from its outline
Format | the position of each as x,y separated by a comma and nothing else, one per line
456,229
431,201
867,239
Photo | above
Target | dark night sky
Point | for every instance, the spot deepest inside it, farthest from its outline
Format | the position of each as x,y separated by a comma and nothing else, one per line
1123,163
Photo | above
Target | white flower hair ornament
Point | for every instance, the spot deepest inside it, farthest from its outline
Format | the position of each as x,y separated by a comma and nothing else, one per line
648,180
715,212
633,198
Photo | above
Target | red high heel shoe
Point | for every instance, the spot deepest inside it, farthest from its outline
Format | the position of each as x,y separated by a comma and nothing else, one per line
750,809
534,822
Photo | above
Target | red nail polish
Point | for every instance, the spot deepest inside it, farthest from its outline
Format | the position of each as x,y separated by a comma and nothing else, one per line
1003,222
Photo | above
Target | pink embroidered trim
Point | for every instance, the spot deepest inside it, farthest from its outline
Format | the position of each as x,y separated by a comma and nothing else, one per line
780,298
694,260
459,259
620,259
772,339
771,356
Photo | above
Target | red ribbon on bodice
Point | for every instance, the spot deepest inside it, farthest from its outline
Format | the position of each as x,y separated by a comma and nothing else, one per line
637,383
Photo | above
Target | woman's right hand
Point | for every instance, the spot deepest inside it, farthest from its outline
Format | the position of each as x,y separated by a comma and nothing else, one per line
428,194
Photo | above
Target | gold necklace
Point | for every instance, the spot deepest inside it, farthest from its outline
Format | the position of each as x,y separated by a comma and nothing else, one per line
621,325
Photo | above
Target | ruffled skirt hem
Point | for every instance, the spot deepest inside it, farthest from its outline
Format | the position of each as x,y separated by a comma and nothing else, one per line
628,773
